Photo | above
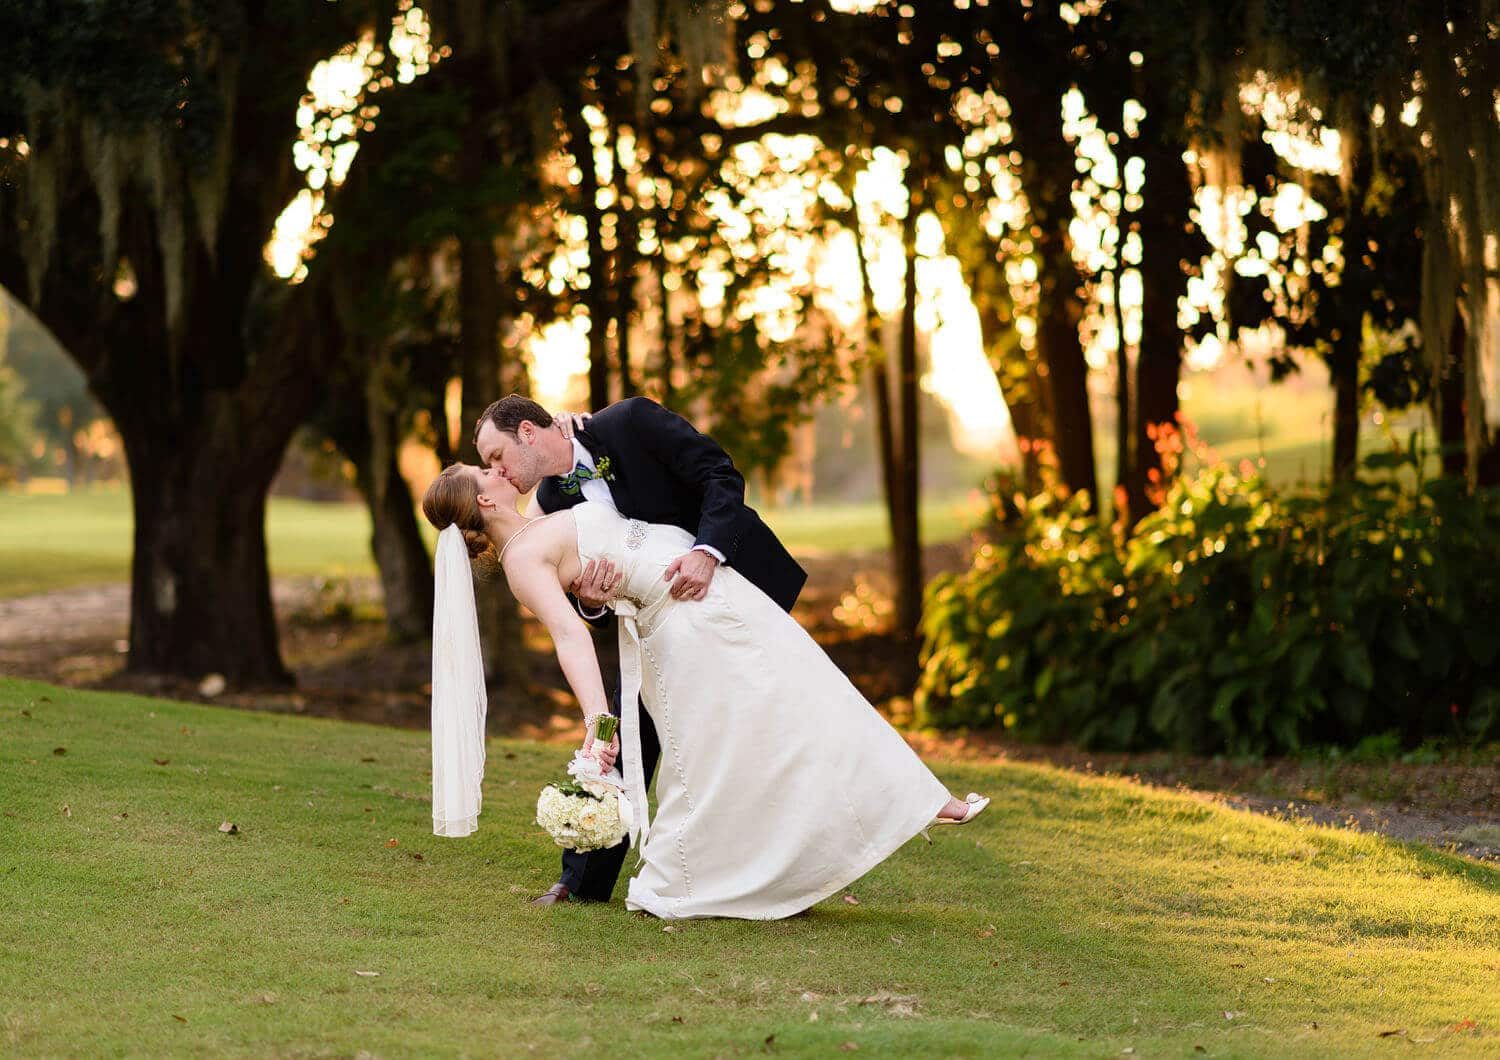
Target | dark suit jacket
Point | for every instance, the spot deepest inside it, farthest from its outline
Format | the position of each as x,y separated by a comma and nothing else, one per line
666,471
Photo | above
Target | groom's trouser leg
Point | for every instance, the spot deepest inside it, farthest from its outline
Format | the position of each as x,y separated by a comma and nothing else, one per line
593,875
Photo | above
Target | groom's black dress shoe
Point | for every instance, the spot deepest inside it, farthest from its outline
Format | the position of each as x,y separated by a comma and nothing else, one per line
555,894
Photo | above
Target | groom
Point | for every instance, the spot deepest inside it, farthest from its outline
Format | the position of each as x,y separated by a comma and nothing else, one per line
650,464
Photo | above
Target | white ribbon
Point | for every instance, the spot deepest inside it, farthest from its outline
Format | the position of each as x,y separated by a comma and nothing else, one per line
630,722
458,693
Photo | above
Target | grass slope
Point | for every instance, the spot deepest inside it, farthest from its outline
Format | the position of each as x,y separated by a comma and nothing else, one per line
1078,916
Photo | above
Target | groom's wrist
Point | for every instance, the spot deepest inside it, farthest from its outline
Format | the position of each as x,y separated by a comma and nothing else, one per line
715,553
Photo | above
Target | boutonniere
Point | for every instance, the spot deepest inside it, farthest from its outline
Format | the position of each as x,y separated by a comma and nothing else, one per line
604,470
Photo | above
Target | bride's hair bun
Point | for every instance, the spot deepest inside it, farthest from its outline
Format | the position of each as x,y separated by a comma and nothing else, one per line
453,500
478,542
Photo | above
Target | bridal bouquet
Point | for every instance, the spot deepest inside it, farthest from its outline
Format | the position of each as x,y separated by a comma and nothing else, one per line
589,810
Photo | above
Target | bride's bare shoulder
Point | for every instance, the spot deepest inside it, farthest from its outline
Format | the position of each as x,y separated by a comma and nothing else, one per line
544,540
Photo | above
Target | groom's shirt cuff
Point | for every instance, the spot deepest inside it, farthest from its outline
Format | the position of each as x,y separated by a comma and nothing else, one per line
715,553
592,615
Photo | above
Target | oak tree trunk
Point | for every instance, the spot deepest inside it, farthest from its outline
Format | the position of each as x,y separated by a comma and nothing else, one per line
906,541
1168,241
479,353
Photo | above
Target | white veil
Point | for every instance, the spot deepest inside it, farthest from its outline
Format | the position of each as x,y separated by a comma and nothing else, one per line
458,694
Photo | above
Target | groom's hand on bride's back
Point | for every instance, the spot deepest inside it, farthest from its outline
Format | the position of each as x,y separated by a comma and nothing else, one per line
691,574
597,585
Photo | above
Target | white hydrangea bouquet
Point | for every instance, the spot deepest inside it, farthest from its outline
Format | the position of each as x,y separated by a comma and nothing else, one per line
588,811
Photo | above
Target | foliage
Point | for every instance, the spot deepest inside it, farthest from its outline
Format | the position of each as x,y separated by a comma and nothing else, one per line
1237,618
53,384
16,416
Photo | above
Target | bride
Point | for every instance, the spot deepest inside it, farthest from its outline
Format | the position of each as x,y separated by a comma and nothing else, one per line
779,784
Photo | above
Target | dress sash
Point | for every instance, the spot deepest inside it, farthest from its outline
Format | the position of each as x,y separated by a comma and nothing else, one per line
630,720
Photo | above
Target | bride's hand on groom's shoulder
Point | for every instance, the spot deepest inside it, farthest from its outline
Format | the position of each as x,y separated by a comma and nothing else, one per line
570,423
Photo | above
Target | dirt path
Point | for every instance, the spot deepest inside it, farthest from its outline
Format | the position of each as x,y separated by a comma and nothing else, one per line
333,640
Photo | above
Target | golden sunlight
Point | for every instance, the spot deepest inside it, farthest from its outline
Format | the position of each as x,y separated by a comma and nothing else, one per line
775,204
335,110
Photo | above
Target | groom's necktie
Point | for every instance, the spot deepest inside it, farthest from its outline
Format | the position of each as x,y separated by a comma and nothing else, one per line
572,482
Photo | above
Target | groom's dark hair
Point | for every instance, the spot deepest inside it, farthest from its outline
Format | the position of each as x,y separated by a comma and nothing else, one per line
509,412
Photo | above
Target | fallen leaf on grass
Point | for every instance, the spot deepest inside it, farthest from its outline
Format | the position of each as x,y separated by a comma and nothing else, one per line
368,758
161,761
393,842
229,828
366,975
669,929
59,751
1391,1034
987,932
1464,1025
849,899
179,1019
1062,982
1128,1050
268,998
67,810
849,1047
416,857
1199,1049
901,1005
25,713
1232,1015
676,1019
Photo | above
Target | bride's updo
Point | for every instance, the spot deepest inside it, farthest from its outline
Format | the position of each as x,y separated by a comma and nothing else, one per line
453,500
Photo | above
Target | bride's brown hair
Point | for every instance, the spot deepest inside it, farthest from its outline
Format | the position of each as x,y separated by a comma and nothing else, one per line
453,500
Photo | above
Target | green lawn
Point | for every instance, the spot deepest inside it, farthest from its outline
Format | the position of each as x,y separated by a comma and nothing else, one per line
58,540
1079,915
52,541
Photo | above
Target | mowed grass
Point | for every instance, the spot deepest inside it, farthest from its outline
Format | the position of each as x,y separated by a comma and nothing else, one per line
53,541
1078,916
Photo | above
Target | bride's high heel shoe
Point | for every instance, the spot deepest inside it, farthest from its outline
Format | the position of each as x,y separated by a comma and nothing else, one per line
976,802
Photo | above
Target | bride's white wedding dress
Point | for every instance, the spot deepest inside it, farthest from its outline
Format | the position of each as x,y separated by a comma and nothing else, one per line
779,784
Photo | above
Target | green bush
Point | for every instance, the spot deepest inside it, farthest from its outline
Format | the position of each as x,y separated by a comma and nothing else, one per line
1236,618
